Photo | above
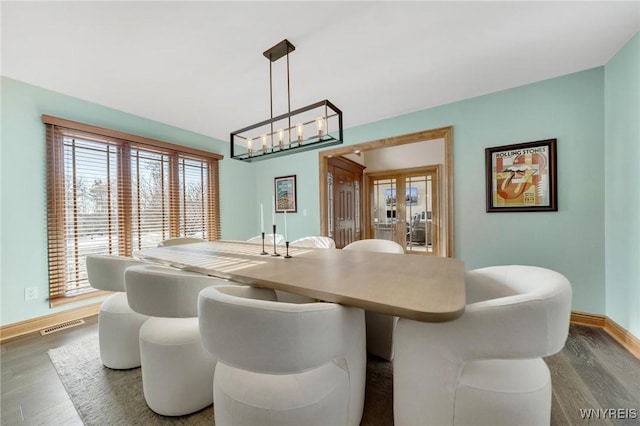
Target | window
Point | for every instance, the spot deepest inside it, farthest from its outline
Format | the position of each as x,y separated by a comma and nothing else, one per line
113,193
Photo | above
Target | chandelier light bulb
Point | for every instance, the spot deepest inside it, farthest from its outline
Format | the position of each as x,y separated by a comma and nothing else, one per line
280,138
320,126
264,143
300,131
249,146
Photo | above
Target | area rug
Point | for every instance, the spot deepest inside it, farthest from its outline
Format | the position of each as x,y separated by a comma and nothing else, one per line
103,396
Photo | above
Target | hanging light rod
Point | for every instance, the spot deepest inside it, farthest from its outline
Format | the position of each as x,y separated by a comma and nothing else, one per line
279,50
314,126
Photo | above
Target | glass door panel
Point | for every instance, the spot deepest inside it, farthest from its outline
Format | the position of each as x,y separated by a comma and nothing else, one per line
419,213
384,209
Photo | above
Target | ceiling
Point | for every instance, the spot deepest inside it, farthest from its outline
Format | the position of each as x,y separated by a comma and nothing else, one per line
199,65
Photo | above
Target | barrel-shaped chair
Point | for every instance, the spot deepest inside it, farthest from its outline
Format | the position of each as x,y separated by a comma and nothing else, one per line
283,363
380,327
118,325
315,242
268,239
486,367
177,371
176,241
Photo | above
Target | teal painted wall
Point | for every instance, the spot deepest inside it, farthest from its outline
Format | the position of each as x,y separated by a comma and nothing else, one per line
622,186
305,167
23,238
571,241
569,108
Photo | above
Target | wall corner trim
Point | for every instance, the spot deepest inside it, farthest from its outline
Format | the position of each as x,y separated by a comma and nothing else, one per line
618,333
626,339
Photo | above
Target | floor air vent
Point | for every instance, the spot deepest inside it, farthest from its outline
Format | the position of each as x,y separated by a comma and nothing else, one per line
61,327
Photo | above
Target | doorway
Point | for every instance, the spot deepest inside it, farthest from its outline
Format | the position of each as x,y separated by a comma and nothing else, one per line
443,207
403,206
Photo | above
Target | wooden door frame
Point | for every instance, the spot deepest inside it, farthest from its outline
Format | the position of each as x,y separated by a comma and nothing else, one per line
445,133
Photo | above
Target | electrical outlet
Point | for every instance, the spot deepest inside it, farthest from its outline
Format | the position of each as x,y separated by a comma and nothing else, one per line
30,293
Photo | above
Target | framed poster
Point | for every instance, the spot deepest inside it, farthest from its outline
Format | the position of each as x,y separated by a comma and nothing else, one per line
286,197
522,177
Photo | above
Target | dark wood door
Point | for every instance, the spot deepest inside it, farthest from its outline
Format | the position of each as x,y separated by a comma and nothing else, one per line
344,202
346,223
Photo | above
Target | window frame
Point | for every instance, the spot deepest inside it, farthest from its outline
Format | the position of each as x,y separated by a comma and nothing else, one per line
56,130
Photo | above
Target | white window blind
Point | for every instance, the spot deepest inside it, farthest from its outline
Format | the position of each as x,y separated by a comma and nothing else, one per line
193,198
150,198
113,193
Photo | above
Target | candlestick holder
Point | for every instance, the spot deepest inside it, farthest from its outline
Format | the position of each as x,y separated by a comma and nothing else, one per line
263,252
287,255
275,252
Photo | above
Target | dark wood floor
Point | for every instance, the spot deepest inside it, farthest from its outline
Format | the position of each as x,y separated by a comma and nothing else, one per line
592,372
32,393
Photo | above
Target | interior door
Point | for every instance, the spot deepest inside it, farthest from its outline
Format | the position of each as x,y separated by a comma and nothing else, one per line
403,207
345,183
344,202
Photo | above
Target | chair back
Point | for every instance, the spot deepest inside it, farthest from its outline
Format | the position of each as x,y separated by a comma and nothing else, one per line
318,242
180,240
106,271
268,239
385,246
535,301
245,331
514,314
160,291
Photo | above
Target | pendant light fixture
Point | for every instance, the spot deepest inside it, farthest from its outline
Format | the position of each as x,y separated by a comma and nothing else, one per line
311,127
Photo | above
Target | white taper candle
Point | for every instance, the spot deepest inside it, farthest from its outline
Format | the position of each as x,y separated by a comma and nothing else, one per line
261,218
286,237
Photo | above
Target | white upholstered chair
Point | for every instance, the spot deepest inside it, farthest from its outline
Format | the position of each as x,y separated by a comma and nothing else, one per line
174,241
283,363
318,242
118,324
380,327
268,239
177,371
379,245
485,368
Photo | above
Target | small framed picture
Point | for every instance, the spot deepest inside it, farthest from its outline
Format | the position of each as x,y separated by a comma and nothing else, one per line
522,177
286,196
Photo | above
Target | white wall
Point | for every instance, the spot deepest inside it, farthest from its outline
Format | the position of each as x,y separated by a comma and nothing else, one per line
417,154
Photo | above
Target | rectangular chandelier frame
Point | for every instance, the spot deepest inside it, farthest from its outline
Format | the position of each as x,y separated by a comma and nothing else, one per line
293,144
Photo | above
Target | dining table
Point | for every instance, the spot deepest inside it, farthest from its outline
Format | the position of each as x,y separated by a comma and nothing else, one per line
418,287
